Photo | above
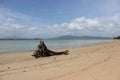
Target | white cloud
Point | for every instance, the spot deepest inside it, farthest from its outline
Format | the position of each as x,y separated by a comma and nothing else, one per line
10,13
10,19
100,26
83,23
107,26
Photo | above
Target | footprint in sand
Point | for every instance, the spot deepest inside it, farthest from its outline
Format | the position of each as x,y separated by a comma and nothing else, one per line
105,60
24,71
109,57
8,67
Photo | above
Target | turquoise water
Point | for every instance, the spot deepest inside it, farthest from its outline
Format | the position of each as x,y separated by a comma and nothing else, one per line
25,45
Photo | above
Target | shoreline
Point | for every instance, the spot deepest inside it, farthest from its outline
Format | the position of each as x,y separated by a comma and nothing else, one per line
92,62
10,52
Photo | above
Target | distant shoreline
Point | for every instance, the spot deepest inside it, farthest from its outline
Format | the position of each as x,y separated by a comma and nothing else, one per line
60,37
55,48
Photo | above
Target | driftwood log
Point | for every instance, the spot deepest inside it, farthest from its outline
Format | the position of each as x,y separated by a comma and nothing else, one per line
43,51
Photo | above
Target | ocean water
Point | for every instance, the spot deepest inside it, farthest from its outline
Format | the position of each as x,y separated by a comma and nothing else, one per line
25,45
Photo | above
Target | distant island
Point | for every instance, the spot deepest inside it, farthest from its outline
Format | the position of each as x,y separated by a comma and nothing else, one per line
61,37
80,37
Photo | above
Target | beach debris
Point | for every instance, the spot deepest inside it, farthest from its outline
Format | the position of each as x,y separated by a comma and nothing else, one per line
43,51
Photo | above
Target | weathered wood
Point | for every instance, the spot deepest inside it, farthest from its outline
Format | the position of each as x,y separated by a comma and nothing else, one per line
43,51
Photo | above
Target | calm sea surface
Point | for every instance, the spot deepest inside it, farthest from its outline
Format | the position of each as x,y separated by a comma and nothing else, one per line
25,45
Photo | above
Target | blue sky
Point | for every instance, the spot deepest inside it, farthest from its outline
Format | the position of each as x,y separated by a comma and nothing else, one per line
51,18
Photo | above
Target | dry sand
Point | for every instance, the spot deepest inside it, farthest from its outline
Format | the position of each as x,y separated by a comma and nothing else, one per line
94,62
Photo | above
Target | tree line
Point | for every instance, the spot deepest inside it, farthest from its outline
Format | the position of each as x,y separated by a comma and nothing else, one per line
118,37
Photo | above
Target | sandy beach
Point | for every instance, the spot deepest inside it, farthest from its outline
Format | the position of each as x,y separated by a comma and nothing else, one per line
100,61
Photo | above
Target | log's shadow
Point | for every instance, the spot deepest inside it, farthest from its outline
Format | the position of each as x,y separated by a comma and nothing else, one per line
43,51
